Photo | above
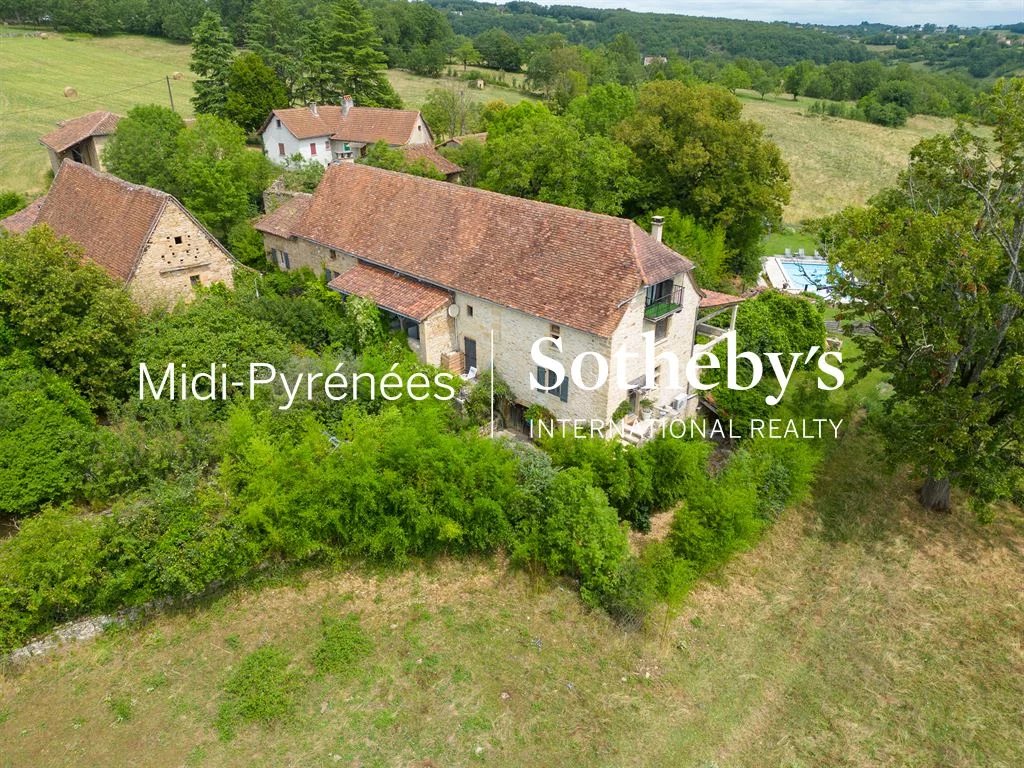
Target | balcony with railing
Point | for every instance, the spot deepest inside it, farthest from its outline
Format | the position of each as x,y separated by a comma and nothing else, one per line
662,300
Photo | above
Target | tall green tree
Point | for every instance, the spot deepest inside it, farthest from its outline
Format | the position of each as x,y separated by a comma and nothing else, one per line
344,56
935,266
699,156
254,89
276,30
216,176
143,144
532,153
450,112
212,52
68,314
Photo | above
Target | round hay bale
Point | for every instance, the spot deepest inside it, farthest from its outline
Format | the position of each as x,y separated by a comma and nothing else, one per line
70,92
177,76
43,36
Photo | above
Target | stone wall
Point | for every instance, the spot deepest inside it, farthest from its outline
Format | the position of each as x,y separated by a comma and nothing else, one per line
179,252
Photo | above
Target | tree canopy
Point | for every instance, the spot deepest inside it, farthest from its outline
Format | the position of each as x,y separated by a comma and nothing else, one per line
935,266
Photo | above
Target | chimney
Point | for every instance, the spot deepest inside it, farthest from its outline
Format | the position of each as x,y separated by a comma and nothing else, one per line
657,223
346,105
313,108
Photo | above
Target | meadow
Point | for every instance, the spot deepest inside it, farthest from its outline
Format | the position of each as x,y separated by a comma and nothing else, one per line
833,162
859,632
112,73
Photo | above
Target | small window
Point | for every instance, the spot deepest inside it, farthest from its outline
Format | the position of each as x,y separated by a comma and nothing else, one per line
177,239
469,310
278,123
273,256
555,331
280,148
546,378
329,274
661,328
312,149
334,254
284,258
196,282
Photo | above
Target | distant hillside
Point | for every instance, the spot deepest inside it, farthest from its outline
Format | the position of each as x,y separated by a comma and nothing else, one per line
657,33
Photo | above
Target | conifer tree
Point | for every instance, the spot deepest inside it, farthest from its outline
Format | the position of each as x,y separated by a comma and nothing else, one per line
344,55
211,60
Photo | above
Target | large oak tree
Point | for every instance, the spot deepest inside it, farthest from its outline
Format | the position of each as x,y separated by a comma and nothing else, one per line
935,266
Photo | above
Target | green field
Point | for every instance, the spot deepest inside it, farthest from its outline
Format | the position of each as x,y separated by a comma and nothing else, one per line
860,632
833,162
113,73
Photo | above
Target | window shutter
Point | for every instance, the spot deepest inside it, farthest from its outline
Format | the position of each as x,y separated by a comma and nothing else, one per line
542,377
563,391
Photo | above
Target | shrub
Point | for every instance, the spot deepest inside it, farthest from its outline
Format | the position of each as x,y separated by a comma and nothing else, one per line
263,689
581,536
719,518
177,541
783,472
48,573
624,473
679,466
47,434
343,644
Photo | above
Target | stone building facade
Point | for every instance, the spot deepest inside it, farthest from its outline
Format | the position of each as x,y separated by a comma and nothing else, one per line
141,237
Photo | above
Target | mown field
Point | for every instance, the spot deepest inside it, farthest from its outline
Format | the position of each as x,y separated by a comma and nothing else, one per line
834,162
860,632
113,73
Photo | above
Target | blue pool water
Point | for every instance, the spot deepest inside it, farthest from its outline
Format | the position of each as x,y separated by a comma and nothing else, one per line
810,275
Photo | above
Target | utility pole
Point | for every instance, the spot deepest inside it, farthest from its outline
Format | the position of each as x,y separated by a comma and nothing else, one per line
170,95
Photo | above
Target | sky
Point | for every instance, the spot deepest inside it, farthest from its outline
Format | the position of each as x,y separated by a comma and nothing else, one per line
964,13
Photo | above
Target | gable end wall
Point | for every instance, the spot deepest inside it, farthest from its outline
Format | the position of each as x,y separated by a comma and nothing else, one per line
164,274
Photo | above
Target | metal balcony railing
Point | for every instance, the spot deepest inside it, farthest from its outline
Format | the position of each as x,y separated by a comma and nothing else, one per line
663,303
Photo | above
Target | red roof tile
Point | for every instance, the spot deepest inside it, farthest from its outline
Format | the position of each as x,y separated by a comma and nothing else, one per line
363,124
283,219
110,218
716,299
567,266
77,130
439,162
389,290
18,223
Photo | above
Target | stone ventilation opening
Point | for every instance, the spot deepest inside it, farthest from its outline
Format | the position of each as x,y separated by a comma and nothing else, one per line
177,239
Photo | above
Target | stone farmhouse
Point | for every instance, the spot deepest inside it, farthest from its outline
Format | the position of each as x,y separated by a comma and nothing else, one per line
141,237
80,139
325,133
473,276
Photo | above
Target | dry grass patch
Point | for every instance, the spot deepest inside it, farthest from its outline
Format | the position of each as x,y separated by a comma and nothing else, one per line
835,162
861,632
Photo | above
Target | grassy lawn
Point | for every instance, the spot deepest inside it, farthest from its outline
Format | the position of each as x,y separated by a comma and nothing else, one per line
834,162
860,632
114,73
414,89
777,242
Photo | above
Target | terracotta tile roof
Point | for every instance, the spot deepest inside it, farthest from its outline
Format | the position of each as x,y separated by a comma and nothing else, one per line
716,299
392,291
567,266
18,223
110,218
77,130
442,164
458,141
283,219
362,124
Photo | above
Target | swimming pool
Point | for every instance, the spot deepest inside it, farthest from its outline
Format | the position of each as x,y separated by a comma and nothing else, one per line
813,274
